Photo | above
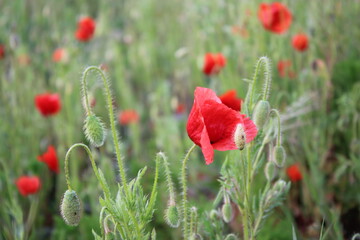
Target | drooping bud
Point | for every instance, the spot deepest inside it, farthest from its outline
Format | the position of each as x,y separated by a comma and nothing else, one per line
227,212
261,113
214,215
231,236
270,171
279,156
280,187
70,208
94,130
240,137
172,216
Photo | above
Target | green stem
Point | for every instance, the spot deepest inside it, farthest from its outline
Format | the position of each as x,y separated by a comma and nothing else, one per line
93,164
278,139
111,118
168,179
247,204
31,216
153,192
184,188
261,211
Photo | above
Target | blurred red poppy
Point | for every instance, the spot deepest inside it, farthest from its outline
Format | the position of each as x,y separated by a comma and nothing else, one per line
300,42
85,30
294,173
212,125
213,63
229,99
48,104
275,17
59,55
180,108
284,69
128,116
2,51
50,158
28,185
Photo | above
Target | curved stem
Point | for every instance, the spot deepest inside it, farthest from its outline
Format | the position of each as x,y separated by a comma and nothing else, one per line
153,192
278,139
96,171
111,118
267,75
184,188
168,179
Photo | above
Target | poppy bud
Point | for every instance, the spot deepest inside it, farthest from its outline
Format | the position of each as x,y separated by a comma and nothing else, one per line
196,236
94,130
70,208
227,212
280,186
279,156
270,171
261,113
214,215
240,137
172,216
231,237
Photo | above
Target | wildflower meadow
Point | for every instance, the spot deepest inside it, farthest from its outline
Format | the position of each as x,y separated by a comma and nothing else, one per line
209,119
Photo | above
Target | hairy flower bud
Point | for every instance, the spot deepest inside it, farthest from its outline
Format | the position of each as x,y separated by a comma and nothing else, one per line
172,216
94,130
214,215
280,187
231,236
279,156
227,212
270,171
196,236
261,113
240,137
70,208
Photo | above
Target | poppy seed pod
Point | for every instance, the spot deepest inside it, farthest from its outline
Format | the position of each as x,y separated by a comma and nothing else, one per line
279,156
172,216
94,130
270,171
231,237
261,113
70,208
240,137
227,212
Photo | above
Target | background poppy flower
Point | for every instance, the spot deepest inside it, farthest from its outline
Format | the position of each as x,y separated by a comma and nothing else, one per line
213,63
2,51
275,17
128,116
48,104
229,99
284,69
28,185
180,108
50,158
300,42
85,30
212,125
59,55
294,173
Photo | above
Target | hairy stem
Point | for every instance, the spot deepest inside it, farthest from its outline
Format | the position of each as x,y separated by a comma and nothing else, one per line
277,114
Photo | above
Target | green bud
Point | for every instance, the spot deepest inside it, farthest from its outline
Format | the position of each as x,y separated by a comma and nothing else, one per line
94,130
231,236
172,216
70,208
270,171
196,236
280,187
279,156
227,212
240,137
214,215
153,234
261,113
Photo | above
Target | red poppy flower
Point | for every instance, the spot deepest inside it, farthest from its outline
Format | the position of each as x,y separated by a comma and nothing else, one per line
2,51
50,158
59,55
128,116
300,42
213,63
85,30
28,185
294,173
284,69
48,104
212,125
275,17
229,99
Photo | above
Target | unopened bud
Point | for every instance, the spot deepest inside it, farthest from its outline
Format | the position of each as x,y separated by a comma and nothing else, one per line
172,216
231,237
70,208
214,215
279,156
270,171
94,130
280,186
196,236
240,137
227,212
261,113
